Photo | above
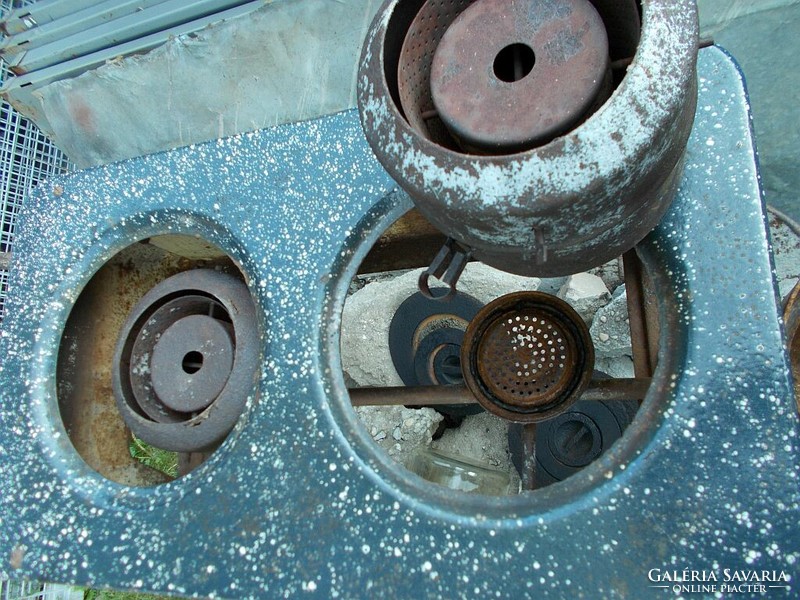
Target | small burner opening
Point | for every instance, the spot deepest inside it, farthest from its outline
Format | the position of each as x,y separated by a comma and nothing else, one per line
514,62
192,362
140,416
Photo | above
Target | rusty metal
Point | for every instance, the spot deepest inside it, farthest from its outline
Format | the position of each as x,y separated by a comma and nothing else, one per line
643,362
510,76
424,334
576,202
602,390
181,358
85,398
415,59
447,267
186,360
527,356
409,243
791,321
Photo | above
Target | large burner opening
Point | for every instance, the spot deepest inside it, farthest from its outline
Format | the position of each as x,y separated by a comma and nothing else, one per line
446,388
157,359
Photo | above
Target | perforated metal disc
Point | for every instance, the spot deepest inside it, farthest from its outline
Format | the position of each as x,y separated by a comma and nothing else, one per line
527,356
414,67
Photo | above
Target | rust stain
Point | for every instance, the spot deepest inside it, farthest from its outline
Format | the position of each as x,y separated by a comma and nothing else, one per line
82,115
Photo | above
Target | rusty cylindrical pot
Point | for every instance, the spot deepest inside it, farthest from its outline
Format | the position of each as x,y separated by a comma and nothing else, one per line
569,203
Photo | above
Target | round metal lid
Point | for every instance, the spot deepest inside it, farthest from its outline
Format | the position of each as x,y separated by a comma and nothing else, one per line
513,75
527,356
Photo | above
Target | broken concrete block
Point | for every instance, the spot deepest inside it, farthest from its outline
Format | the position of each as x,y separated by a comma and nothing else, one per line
610,328
618,368
399,430
586,293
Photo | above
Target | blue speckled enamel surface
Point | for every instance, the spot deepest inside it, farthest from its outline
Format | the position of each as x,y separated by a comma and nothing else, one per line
298,500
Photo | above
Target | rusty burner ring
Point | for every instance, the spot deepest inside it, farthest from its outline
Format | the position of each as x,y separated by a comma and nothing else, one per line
527,356
186,361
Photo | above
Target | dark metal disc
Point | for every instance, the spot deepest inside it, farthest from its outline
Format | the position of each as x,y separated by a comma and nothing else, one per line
416,318
207,294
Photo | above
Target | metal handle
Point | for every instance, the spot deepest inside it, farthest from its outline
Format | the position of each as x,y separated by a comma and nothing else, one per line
447,268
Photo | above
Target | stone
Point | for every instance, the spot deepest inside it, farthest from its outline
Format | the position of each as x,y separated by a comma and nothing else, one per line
618,368
586,293
611,273
410,428
610,328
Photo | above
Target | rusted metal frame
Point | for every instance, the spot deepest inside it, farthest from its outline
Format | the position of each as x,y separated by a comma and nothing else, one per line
435,395
643,361
410,242
447,267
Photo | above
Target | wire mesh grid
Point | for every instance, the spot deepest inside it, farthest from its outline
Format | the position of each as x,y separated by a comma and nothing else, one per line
31,590
26,157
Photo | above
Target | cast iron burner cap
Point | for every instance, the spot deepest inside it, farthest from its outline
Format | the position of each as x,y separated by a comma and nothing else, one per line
527,356
186,360
512,75
425,339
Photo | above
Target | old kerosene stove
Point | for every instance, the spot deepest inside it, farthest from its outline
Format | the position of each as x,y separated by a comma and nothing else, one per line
194,299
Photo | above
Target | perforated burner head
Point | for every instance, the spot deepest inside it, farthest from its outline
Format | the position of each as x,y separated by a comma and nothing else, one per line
528,356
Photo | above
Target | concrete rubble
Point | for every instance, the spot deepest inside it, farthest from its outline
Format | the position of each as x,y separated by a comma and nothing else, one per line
399,430
610,328
368,312
586,293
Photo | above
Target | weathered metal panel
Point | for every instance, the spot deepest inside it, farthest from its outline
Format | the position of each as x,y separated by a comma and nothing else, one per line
298,499
285,62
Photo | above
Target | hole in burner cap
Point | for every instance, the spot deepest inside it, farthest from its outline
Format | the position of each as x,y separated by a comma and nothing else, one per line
192,362
514,62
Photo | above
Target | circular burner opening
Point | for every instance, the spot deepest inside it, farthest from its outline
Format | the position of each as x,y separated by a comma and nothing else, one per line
192,362
152,353
514,62
403,361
